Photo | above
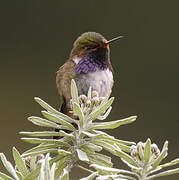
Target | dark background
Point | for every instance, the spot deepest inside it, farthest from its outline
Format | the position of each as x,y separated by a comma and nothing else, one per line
36,37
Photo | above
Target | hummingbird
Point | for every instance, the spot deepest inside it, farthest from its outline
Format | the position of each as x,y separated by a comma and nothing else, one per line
89,65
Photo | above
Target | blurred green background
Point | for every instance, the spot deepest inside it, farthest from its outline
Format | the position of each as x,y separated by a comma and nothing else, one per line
36,37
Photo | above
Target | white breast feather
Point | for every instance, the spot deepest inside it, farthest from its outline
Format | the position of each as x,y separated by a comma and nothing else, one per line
100,80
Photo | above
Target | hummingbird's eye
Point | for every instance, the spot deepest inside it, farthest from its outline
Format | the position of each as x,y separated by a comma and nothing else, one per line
89,47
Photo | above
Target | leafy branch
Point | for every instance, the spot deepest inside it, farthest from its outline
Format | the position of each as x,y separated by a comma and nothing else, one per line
84,144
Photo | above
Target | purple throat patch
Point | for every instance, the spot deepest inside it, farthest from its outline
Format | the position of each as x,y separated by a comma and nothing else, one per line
89,64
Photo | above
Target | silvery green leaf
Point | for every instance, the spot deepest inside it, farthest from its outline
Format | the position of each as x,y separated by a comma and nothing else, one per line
42,147
125,142
66,118
68,135
45,105
41,133
20,176
113,124
20,163
106,98
122,171
74,92
112,142
8,166
43,122
52,172
82,155
134,168
126,157
52,110
98,132
56,119
165,146
77,110
42,175
109,177
102,117
122,147
154,171
56,159
62,152
49,141
100,110
33,162
33,174
5,177
171,163
105,145
140,150
159,158
90,147
61,164
113,139
91,176
165,173
115,177
65,175
35,153
100,159
45,169
114,171
162,155
147,150
87,150
104,168
91,134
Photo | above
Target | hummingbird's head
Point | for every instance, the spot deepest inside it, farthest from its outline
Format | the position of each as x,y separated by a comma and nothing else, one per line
92,46
88,42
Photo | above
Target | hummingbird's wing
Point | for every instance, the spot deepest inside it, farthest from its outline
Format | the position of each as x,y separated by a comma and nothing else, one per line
63,81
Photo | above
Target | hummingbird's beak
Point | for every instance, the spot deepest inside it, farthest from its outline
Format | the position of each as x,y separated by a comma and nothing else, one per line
114,39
